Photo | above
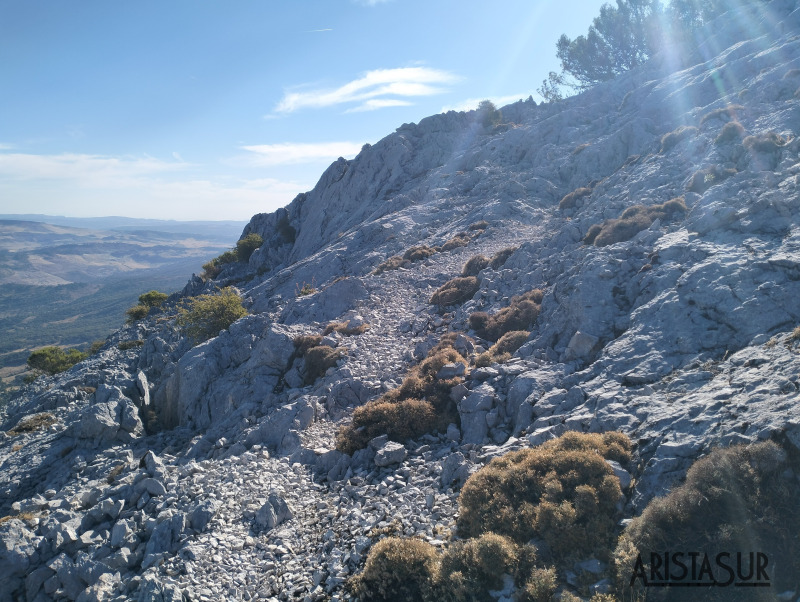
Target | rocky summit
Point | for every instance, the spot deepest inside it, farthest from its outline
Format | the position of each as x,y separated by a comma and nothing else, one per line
659,216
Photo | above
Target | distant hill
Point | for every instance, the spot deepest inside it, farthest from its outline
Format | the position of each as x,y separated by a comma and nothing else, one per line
67,281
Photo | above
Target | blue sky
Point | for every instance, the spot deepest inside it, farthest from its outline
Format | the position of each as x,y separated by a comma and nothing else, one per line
203,109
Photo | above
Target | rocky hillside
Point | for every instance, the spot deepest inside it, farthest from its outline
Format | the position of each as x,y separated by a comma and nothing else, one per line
659,216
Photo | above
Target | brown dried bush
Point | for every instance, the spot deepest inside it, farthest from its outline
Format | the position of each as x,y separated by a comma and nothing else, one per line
345,328
727,113
419,253
474,266
462,239
570,200
733,131
456,291
499,259
393,263
304,342
737,499
401,420
34,422
632,221
519,315
318,360
481,562
675,137
768,142
481,225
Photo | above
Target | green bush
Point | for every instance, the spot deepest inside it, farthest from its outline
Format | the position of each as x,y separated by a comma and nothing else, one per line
456,291
286,231
570,201
737,499
562,491
397,570
152,298
474,266
246,246
519,315
675,137
52,360
489,115
205,316
540,587
632,221
137,312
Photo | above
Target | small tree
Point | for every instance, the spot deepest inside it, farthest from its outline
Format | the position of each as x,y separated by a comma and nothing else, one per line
205,316
488,113
246,246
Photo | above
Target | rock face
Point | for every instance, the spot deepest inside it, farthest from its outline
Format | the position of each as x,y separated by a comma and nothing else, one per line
159,470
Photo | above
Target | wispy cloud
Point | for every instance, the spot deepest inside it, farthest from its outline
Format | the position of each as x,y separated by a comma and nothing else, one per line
472,103
288,152
318,30
373,90
91,170
371,2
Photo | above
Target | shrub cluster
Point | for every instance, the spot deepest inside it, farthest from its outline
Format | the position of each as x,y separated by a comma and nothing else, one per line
735,499
456,291
727,113
318,358
481,225
420,252
563,491
34,422
519,315
421,404
675,137
462,239
499,259
205,316
52,360
570,200
768,142
632,221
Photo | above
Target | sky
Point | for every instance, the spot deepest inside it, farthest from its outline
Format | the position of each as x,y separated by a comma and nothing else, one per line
212,110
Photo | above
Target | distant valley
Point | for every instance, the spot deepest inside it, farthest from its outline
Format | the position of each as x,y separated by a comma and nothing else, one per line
68,281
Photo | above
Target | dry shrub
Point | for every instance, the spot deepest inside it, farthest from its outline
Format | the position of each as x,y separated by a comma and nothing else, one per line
397,570
570,200
704,179
462,239
733,131
510,342
35,422
519,315
481,225
481,562
737,499
563,491
402,420
456,291
541,586
318,360
304,342
499,259
768,142
727,113
419,253
393,263
474,266
677,136
421,404
632,221
345,328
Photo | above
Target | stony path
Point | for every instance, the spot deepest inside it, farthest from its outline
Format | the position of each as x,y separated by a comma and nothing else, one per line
311,555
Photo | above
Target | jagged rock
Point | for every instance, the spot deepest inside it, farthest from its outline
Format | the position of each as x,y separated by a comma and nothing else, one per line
18,552
455,470
202,515
390,453
164,538
274,512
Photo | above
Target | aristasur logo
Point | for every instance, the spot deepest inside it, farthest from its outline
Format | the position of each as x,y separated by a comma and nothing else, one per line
699,569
